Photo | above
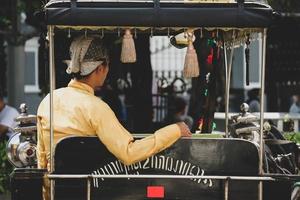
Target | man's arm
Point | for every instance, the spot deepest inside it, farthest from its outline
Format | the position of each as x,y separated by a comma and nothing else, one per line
121,143
3,129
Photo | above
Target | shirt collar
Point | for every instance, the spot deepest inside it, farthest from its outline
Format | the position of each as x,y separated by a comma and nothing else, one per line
82,86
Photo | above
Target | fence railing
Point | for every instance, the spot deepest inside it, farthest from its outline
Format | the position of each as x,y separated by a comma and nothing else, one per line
276,117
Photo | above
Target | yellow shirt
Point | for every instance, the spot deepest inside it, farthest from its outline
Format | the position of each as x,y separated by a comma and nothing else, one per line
78,112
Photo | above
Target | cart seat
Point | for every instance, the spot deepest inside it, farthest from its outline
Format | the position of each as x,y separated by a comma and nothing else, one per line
87,155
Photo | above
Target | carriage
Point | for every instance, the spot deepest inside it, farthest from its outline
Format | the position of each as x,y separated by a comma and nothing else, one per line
193,168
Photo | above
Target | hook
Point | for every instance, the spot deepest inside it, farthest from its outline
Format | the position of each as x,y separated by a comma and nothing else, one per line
102,33
135,35
190,36
213,35
247,39
69,33
151,32
201,33
217,33
85,33
168,32
233,34
119,34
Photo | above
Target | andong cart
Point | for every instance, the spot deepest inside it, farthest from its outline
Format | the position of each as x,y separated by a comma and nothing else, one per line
194,168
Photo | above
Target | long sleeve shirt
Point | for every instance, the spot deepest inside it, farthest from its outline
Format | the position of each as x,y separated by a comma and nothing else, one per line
77,111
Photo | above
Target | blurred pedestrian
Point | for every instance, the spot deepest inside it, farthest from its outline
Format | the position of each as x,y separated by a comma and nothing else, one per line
295,107
253,100
7,118
177,113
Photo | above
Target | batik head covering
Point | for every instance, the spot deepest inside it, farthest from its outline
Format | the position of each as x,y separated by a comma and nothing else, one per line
86,53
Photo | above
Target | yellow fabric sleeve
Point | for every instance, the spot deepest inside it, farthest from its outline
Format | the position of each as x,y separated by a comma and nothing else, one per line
121,143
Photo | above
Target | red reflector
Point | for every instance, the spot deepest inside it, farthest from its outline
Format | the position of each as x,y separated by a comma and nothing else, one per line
155,192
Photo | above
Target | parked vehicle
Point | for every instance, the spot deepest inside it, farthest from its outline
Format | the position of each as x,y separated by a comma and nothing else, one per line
194,168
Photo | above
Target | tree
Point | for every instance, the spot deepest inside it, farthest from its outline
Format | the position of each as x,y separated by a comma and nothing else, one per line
285,5
10,29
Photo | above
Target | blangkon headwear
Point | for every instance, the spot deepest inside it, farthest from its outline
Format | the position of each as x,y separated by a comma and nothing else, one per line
86,53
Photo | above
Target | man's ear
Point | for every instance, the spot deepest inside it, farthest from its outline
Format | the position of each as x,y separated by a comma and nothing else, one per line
99,69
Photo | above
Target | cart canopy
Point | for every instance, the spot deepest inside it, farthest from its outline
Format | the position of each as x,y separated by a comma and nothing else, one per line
163,13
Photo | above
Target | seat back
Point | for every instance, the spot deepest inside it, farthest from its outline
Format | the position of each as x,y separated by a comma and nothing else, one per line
87,155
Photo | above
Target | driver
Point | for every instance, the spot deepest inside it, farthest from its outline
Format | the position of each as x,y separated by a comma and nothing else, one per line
77,111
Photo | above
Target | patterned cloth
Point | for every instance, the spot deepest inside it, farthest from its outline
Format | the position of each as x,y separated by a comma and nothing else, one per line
86,53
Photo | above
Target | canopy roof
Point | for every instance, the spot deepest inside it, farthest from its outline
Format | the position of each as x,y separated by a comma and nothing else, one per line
163,13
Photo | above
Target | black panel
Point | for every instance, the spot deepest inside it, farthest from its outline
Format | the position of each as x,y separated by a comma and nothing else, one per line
26,184
81,155
161,15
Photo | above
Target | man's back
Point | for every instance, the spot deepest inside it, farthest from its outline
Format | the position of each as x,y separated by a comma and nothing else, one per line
78,112
72,110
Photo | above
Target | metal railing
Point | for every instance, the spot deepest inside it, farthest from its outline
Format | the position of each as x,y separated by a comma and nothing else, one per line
225,178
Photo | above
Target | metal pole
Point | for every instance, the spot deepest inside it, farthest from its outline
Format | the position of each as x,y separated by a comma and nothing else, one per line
226,95
150,176
260,190
226,189
51,74
228,77
262,85
88,189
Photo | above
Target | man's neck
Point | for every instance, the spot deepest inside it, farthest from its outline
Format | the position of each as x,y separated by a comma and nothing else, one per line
86,81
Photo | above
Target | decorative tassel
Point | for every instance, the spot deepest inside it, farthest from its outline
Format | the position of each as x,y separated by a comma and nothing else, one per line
128,53
191,65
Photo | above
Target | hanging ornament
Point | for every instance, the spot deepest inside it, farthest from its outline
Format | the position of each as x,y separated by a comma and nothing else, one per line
247,58
207,78
191,65
209,59
219,45
200,124
214,126
128,53
211,42
206,92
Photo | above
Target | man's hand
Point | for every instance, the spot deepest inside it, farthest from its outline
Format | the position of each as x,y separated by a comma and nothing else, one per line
184,129
3,129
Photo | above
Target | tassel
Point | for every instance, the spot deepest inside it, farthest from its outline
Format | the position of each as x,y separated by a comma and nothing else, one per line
128,54
191,65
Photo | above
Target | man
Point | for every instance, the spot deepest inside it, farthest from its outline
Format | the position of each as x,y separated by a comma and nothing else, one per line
78,112
7,119
253,100
295,107
177,113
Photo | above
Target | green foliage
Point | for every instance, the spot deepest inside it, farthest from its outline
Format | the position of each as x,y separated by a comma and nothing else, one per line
5,168
9,10
295,137
4,21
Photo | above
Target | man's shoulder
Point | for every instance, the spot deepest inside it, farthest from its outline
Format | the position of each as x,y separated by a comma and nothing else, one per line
55,92
46,99
97,100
